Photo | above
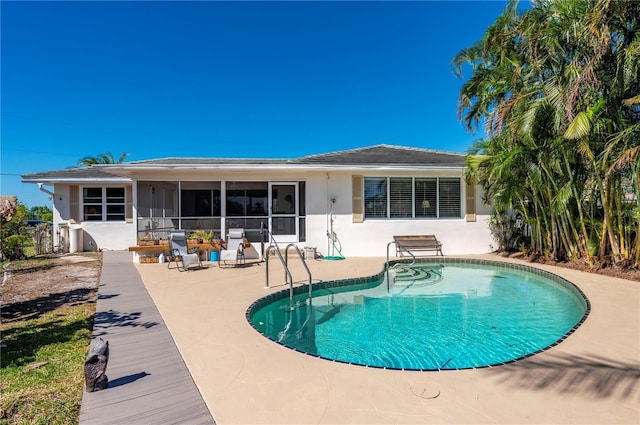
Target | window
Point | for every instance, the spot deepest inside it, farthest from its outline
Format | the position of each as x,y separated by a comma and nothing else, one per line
157,199
247,199
400,198
196,203
375,197
115,203
200,199
449,195
426,197
92,203
406,197
103,203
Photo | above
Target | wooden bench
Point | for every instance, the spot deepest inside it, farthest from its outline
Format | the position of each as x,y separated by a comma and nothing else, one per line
417,243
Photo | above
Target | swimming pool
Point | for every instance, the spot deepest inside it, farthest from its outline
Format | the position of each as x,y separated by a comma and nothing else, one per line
435,315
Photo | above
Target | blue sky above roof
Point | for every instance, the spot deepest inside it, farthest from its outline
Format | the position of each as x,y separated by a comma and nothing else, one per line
227,79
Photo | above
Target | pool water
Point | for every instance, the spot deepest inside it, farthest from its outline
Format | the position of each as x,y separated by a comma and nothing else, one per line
429,317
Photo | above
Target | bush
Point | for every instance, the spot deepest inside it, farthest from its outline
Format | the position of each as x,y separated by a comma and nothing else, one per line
11,233
13,247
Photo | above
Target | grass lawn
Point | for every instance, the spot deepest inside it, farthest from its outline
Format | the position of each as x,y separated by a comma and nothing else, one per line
44,345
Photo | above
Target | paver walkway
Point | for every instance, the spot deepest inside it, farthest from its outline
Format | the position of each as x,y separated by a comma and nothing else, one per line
149,382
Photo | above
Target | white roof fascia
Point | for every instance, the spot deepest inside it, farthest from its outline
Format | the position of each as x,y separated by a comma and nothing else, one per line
70,180
120,178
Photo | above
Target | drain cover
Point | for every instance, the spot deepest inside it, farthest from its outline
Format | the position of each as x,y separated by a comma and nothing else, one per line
425,393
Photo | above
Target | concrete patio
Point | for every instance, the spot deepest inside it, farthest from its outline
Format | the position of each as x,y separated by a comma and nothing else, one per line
244,378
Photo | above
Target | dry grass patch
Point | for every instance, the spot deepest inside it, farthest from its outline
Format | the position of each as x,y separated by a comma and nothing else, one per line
45,340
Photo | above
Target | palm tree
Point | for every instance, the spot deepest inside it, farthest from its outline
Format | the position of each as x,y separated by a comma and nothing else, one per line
558,90
103,158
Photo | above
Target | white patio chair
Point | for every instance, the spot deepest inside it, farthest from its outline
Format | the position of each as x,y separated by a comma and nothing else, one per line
235,248
180,253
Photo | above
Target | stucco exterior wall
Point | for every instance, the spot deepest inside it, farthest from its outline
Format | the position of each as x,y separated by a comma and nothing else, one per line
115,235
370,238
112,235
61,203
60,211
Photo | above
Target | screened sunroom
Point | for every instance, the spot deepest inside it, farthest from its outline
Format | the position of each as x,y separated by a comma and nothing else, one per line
217,206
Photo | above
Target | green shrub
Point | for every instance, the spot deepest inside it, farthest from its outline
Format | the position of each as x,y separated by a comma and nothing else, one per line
13,247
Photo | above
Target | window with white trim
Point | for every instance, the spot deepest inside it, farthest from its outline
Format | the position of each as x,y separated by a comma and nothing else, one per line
449,204
375,197
103,204
426,191
400,197
407,197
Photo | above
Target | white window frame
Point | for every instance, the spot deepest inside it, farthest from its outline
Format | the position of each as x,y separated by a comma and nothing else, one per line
104,204
413,216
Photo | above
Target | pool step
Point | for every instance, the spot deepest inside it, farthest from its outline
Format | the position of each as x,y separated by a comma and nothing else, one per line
416,275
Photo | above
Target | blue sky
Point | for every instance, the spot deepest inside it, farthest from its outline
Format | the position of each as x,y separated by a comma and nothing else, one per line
227,79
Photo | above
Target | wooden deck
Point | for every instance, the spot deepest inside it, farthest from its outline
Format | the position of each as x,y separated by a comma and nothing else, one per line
149,382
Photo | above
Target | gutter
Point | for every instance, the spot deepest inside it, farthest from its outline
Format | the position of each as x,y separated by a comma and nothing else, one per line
47,191
71,180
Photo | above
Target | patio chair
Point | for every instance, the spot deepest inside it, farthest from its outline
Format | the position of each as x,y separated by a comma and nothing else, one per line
235,248
180,253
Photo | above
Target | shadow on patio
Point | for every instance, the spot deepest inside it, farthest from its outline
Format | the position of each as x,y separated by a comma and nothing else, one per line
589,375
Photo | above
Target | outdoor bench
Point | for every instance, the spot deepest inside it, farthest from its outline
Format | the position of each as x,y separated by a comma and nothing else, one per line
417,243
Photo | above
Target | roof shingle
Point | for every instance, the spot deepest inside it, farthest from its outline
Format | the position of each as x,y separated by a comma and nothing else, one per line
378,155
387,155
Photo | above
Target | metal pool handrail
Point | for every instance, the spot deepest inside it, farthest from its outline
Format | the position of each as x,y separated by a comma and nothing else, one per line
304,263
288,277
273,246
413,261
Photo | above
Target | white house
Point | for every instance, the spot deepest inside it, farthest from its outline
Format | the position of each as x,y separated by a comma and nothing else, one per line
349,202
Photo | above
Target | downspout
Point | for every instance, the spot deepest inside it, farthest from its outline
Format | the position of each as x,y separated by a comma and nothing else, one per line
47,191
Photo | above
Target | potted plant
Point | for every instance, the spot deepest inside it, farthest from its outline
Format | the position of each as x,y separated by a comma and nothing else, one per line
203,235
146,240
